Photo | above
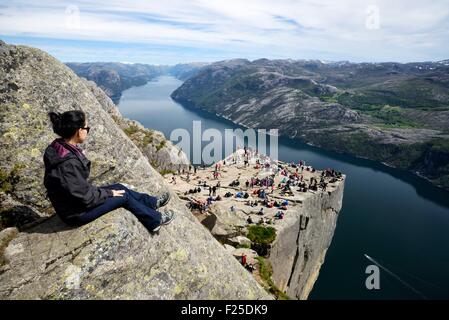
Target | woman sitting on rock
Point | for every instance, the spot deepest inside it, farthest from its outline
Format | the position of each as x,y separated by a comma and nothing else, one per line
76,201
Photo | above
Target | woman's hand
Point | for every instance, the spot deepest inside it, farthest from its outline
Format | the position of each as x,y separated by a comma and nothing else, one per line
118,193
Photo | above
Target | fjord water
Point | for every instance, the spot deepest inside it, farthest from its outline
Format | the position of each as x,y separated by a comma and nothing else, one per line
399,220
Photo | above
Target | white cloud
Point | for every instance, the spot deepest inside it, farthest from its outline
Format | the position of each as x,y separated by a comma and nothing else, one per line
408,30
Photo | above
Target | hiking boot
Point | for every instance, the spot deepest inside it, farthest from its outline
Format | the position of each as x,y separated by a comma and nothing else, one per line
162,200
166,218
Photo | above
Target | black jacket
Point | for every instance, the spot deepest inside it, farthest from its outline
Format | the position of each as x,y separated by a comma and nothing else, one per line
66,173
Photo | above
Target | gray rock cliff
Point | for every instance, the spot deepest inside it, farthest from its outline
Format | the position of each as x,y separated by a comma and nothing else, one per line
301,245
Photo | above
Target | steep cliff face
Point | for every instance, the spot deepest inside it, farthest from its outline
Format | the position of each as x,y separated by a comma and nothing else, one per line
301,245
113,257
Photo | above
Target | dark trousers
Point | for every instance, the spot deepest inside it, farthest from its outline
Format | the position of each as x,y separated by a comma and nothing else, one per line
140,204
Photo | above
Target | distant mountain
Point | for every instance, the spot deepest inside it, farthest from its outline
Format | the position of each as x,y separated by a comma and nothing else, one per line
184,71
114,77
389,112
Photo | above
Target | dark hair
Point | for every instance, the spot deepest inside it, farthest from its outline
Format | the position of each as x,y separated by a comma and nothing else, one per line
67,123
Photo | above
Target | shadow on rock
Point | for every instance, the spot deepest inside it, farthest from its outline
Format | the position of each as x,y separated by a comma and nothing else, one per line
47,225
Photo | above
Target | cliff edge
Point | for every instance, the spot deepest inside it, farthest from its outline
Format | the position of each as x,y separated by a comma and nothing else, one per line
285,232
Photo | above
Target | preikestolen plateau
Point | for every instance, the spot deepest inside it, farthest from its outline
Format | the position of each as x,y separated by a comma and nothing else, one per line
224,155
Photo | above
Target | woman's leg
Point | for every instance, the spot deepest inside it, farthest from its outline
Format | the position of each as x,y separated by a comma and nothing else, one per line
110,204
144,198
149,217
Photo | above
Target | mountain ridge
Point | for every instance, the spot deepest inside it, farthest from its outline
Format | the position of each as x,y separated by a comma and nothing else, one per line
115,77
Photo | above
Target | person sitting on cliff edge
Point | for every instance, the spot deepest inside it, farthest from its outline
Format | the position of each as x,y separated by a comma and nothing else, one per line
75,200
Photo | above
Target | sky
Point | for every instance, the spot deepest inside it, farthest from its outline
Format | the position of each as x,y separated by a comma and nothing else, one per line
181,31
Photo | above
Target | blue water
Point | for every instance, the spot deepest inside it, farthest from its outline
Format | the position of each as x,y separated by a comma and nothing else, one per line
396,218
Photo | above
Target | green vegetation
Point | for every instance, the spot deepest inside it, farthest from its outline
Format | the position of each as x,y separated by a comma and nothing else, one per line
391,116
261,235
405,93
306,86
153,164
266,271
131,130
164,172
363,145
148,138
243,246
329,99
147,135
5,184
334,98
161,145
405,156
117,119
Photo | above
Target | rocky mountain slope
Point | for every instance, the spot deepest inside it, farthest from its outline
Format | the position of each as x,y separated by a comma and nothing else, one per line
113,257
114,77
389,112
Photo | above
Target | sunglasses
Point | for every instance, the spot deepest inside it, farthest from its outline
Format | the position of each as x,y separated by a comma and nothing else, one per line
86,128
